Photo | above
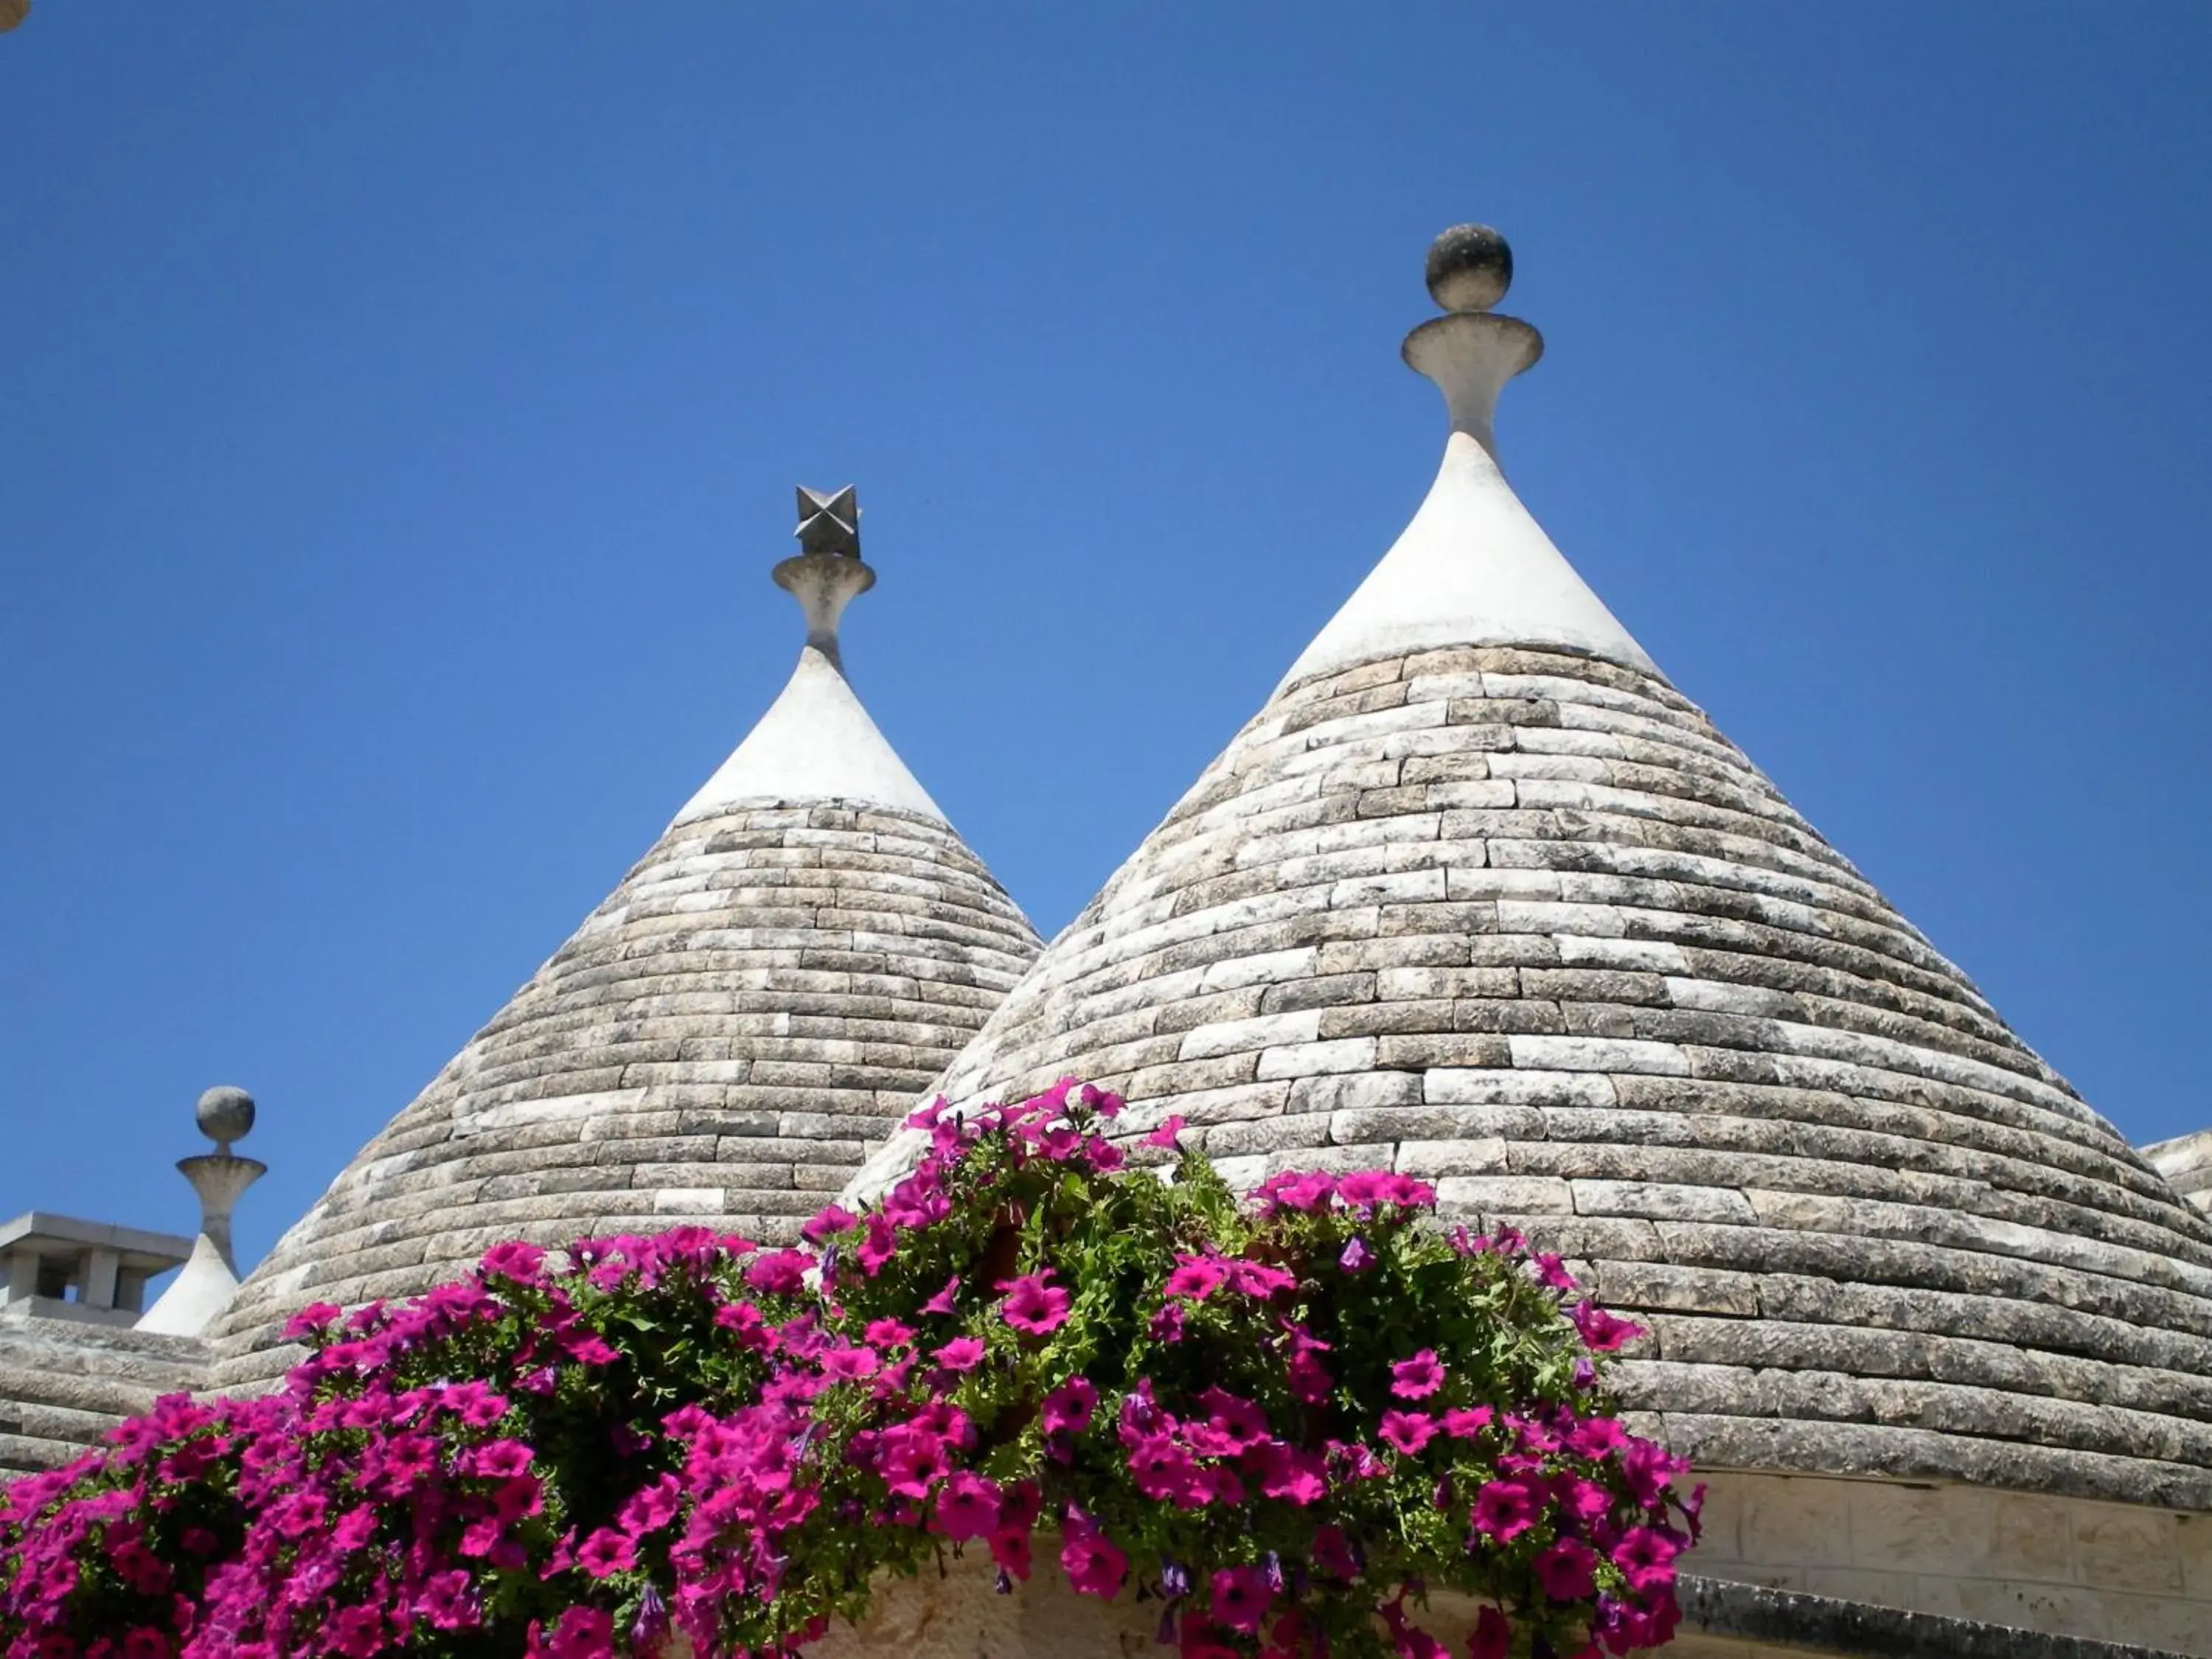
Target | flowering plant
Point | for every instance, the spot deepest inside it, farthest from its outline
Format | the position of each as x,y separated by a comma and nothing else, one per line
1284,1420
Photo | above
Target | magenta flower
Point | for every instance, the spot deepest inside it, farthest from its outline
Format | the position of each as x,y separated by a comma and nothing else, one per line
1240,1597
877,1245
582,1633
967,1506
889,1333
1419,1378
1567,1570
1601,1332
1093,1565
607,1551
1166,1134
315,1317
942,1302
1552,1273
1492,1638
1646,1558
1164,1470
1333,1553
963,1353
1596,1436
1196,1278
1465,1422
781,1272
1356,1255
1288,1472
517,1260
1311,1191
1257,1279
1166,1325
1406,1432
1034,1306
827,1222
849,1365
1504,1509
1067,1408
650,1508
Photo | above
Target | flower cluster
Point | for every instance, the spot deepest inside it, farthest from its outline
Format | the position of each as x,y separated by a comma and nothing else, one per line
1283,1420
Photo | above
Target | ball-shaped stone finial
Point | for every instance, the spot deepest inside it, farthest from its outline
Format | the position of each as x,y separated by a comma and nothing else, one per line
225,1114
1470,268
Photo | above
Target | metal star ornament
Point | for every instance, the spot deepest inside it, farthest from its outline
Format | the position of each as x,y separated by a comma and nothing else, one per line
828,523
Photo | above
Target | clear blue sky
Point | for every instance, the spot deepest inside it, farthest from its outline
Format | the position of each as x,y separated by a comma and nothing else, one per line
402,406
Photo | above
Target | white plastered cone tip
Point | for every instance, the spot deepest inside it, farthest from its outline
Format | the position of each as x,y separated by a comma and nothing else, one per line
815,742
1473,567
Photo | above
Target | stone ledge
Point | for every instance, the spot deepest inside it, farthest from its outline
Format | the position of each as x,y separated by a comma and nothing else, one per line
1801,1623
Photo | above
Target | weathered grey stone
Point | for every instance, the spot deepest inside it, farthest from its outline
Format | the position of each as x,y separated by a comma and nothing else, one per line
763,995
1652,1018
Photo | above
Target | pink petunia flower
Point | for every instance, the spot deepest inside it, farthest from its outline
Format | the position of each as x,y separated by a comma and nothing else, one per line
942,1302
963,1353
1567,1570
1408,1432
967,1506
606,1552
1333,1553
1240,1597
1419,1378
1067,1408
1166,1134
849,1365
889,1333
827,1222
1033,1305
1602,1332
1465,1422
1504,1509
1093,1564
1492,1638
877,1245
1196,1278
1646,1558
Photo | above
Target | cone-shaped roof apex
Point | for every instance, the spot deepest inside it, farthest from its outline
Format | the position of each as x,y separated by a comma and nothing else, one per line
1473,568
1479,896
755,1004
817,741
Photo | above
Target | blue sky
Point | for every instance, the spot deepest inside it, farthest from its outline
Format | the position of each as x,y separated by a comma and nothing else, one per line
403,404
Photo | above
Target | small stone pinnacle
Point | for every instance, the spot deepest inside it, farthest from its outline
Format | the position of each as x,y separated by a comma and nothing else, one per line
1470,268
225,1114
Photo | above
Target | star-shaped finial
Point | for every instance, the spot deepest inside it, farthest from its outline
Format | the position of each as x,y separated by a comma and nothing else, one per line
828,523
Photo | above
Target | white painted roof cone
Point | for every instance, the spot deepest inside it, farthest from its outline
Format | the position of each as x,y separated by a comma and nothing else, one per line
1473,567
817,741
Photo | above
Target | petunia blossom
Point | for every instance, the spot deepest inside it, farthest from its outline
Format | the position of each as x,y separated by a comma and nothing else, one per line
1034,1306
1419,1378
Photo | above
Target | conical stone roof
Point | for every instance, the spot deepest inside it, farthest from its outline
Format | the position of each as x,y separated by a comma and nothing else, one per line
800,952
1481,896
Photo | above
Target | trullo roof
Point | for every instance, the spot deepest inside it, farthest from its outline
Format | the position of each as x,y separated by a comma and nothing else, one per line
803,949
1479,896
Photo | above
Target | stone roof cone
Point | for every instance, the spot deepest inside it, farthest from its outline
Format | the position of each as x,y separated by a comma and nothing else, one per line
1479,896
803,948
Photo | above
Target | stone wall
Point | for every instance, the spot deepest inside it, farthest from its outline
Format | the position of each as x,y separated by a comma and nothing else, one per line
63,1384
2113,1572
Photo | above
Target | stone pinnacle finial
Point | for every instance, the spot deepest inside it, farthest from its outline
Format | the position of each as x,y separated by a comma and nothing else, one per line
828,572
1470,268
225,1116
1470,352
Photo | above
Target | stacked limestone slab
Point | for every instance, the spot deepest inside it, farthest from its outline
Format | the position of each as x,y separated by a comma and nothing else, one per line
762,998
1524,922
63,1383
2186,1162
1479,896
